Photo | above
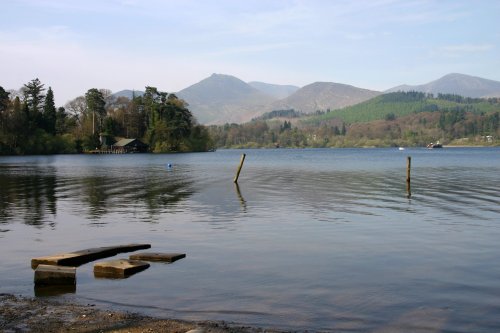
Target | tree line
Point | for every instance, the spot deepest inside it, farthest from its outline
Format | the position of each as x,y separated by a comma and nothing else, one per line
415,130
30,123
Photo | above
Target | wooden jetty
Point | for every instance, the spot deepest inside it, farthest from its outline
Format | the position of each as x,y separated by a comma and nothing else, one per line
81,257
120,268
157,256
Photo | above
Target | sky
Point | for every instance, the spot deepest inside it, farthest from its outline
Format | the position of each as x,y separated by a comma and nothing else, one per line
76,45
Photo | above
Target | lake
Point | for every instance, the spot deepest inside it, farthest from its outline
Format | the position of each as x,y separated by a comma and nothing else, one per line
319,239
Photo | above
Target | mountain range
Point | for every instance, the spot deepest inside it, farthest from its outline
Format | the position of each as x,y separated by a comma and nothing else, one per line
223,98
457,84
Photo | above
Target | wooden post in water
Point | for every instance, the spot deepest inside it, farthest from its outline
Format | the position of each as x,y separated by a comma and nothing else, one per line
239,168
408,183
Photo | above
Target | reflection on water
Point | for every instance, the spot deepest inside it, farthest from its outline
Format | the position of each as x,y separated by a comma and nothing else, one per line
44,291
240,197
30,194
307,239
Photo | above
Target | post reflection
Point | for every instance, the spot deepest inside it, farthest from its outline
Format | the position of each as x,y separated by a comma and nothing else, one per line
243,202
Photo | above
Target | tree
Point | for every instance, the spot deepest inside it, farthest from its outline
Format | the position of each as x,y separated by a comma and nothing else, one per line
168,120
49,113
390,116
34,98
77,111
17,127
96,106
4,104
64,123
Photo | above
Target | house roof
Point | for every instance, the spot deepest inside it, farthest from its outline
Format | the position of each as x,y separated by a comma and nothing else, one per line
124,142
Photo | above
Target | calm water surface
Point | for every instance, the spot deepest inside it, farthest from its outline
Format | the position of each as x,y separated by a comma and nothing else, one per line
311,239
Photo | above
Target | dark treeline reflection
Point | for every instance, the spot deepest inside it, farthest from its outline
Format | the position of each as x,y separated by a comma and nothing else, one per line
27,197
31,195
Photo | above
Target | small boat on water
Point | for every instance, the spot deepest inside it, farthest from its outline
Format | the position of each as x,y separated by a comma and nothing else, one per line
401,148
434,145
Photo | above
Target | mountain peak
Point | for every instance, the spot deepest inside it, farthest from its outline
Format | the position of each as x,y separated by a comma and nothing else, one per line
223,98
323,96
222,76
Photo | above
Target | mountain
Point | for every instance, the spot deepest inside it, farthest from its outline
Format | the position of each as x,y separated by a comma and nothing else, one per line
323,96
458,84
127,93
275,90
224,98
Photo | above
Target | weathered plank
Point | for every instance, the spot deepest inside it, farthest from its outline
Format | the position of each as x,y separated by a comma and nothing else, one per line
81,257
46,275
157,256
119,268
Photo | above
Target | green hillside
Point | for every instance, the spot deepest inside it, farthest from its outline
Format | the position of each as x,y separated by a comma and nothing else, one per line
394,119
400,104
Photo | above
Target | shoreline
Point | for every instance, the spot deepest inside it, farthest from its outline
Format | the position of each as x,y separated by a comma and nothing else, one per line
28,314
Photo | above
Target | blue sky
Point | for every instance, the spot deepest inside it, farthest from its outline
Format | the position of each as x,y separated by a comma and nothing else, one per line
127,44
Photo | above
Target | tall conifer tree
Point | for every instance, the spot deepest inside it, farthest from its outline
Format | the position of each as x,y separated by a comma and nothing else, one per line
49,113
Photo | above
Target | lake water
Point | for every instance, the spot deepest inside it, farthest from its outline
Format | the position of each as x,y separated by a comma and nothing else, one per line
321,239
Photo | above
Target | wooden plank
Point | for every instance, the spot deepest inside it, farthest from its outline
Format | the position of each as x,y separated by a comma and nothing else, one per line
119,268
46,275
157,256
81,257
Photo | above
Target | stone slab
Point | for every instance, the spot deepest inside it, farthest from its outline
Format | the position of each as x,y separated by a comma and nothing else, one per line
120,268
47,275
81,257
157,256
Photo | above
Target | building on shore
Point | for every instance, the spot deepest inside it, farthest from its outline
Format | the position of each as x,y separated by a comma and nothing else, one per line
129,146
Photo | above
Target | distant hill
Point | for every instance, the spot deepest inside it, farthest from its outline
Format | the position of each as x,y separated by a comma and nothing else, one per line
127,93
274,90
224,98
459,84
323,96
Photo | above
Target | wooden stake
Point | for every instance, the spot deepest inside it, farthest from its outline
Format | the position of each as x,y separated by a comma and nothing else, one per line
408,181
239,168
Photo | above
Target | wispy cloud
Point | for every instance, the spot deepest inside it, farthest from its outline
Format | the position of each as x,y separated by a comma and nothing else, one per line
250,49
120,44
459,50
